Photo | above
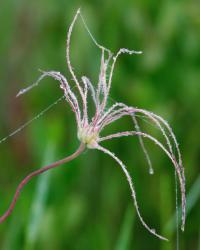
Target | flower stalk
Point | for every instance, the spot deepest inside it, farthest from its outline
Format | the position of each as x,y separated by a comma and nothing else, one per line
38,172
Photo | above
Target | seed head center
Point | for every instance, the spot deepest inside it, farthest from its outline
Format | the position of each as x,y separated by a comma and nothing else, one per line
88,136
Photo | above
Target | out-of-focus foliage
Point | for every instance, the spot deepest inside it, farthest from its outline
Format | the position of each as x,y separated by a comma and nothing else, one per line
86,204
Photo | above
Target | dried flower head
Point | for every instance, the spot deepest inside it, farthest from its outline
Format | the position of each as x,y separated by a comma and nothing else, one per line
89,128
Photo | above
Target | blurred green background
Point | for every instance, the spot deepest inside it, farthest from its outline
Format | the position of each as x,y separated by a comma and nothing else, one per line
86,204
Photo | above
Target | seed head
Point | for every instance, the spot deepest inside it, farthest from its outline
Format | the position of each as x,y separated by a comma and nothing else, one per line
89,128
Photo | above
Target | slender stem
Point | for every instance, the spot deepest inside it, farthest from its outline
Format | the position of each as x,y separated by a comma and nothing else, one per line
35,173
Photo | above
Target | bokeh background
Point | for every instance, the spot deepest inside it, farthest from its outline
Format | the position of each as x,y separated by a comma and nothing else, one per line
86,204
